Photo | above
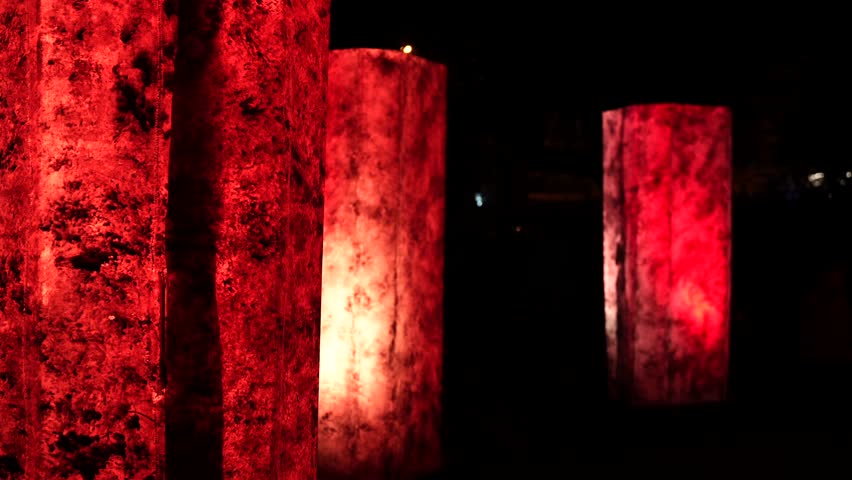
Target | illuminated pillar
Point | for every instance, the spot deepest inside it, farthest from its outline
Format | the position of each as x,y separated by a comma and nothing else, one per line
245,232
382,301
667,225
83,111
90,322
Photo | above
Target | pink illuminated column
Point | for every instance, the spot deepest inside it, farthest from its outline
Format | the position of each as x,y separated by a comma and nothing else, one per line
382,299
83,150
667,226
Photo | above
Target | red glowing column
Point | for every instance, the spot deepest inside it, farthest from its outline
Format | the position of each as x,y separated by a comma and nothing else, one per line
269,256
667,204
381,350
16,201
83,112
245,220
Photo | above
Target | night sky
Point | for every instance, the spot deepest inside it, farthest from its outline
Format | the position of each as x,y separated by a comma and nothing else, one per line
525,389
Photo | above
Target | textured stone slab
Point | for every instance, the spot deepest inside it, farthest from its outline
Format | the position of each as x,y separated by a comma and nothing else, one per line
382,301
667,209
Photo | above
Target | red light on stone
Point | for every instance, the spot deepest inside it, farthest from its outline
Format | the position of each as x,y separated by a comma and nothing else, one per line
246,230
95,314
381,348
83,158
269,258
667,197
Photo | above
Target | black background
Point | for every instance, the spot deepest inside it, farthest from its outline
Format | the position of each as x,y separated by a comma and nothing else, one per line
525,372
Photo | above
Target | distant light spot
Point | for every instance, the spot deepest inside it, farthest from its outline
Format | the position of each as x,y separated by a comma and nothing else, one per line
480,200
407,49
816,179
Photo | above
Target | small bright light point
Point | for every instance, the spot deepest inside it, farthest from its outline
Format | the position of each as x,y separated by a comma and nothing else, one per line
407,49
518,228
848,174
479,199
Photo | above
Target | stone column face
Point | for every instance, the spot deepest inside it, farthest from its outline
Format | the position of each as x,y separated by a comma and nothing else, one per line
382,303
83,116
245,223
146,334
667,230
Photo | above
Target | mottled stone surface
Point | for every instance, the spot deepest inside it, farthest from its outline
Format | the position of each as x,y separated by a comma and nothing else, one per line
246,239
85,123
83,112
667,200
17,184
382,299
